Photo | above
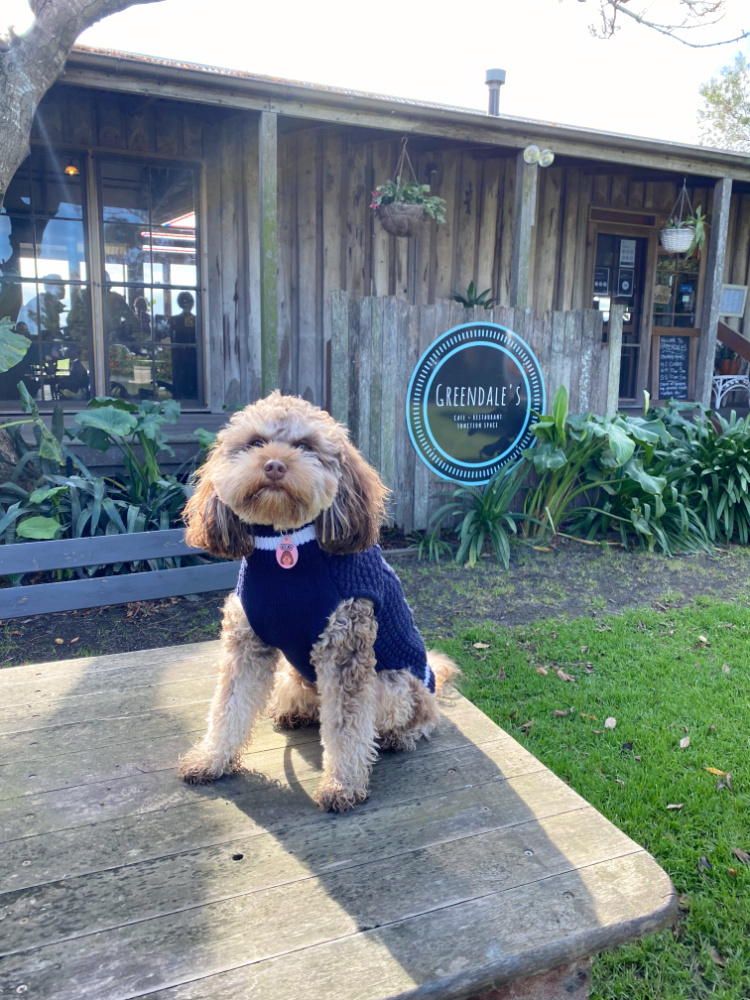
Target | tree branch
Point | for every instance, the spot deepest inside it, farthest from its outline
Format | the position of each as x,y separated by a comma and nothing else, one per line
698,13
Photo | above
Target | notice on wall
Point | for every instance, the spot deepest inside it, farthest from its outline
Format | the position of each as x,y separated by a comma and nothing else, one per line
674,367
601,281
627,253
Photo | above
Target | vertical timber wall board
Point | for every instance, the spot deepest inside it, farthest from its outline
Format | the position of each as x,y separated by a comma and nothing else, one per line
376,344
286,288
309,349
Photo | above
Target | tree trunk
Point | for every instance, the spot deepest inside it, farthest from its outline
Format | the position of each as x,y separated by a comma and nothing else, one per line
30,64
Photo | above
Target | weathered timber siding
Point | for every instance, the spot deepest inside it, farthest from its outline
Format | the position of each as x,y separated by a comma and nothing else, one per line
376,343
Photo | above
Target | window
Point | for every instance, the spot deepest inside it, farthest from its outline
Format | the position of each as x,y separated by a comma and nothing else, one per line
146,304
676,291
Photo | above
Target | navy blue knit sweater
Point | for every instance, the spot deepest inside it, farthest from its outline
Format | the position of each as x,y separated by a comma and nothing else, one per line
290,608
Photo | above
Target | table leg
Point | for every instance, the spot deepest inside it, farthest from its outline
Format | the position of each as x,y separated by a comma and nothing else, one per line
570,982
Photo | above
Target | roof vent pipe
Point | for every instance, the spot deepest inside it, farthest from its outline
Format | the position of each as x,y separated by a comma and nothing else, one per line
495,79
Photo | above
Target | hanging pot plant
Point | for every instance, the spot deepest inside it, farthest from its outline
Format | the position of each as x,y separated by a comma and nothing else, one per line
404,207
684,233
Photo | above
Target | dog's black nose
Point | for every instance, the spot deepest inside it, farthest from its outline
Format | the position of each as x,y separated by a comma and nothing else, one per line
275,470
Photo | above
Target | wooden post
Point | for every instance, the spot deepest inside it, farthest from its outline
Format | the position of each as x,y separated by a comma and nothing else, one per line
712,295
615,358
340,371
526,181
269,310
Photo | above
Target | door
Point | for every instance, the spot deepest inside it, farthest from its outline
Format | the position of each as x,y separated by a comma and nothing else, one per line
619,278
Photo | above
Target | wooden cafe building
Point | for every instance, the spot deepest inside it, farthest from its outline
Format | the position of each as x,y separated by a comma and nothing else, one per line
194,233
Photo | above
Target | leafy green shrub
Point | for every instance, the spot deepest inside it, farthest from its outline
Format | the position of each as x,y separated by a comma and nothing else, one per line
714,458
576,455
76,504
409,193
484,514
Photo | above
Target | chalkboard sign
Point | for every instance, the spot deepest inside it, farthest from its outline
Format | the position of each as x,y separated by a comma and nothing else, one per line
674,367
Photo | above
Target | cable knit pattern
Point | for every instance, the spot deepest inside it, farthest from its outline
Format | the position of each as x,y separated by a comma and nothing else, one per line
289,608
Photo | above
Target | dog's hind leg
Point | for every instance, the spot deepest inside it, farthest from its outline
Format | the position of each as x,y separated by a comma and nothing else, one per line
295,701
246,672
344,662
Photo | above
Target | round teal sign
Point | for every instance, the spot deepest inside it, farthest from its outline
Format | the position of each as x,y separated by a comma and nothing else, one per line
471,401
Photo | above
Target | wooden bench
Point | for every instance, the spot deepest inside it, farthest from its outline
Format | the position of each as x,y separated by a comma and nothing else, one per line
104,550
471,871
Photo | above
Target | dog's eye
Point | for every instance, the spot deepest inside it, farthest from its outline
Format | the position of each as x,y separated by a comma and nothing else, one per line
303,446
257,443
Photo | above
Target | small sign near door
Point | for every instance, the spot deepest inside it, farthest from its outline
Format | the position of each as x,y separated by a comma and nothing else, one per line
627,253
625,281
601,281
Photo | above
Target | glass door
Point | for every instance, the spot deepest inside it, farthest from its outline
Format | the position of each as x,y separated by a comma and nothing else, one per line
619,280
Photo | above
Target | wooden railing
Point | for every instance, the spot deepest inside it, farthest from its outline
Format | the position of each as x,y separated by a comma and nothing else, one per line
104,550
733,340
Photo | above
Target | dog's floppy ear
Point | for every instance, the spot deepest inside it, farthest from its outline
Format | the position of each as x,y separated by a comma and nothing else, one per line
212,526
352,522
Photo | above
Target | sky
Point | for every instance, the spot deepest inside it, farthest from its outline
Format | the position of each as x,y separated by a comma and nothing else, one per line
638,82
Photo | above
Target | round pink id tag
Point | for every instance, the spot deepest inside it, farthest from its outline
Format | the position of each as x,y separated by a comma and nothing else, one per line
286,553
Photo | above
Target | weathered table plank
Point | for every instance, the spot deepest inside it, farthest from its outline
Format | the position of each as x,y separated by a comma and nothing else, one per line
470,866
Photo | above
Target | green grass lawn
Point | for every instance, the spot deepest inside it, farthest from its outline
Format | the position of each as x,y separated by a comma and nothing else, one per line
664,676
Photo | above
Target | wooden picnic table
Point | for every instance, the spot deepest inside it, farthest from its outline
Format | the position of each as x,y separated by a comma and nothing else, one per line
471,866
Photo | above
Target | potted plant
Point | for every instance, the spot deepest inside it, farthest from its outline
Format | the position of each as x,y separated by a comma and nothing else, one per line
684,235
403,208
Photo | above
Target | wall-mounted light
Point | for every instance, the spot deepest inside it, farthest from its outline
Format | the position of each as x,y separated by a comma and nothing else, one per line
533,154
72,170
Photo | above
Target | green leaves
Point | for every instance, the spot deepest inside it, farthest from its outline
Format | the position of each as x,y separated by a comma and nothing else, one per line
112,420
13,346
409,193
39,528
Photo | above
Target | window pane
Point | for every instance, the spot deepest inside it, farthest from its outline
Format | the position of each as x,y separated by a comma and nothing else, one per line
55,193
57,365
125,192
184,341
61,248
126,250
17,246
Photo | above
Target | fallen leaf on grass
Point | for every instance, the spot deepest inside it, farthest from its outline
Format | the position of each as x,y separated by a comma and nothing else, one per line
501,674
637,757
75,640
565,677
59,641
742,855
712,727
584,716
625,747
604,628
584,649
704,865
685,742
685,729
589,668
715,770
716,957
703,639
732,871
610,723
541,548
675,805
542,670
481,645
597,732
729,782
725,667
527,725
561,712
620,782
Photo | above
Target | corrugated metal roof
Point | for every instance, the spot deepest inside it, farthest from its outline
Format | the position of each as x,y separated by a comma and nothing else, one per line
121,61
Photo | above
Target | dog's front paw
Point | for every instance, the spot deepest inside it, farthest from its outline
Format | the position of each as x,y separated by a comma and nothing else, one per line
199,766
332,796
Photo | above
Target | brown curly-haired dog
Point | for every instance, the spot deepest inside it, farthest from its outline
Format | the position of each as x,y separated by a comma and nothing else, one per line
283,470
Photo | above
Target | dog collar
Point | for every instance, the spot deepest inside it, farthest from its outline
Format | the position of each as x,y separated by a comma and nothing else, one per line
270,543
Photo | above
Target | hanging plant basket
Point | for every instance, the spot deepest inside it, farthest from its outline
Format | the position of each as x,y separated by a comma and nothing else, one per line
677,240
404,207
400,219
